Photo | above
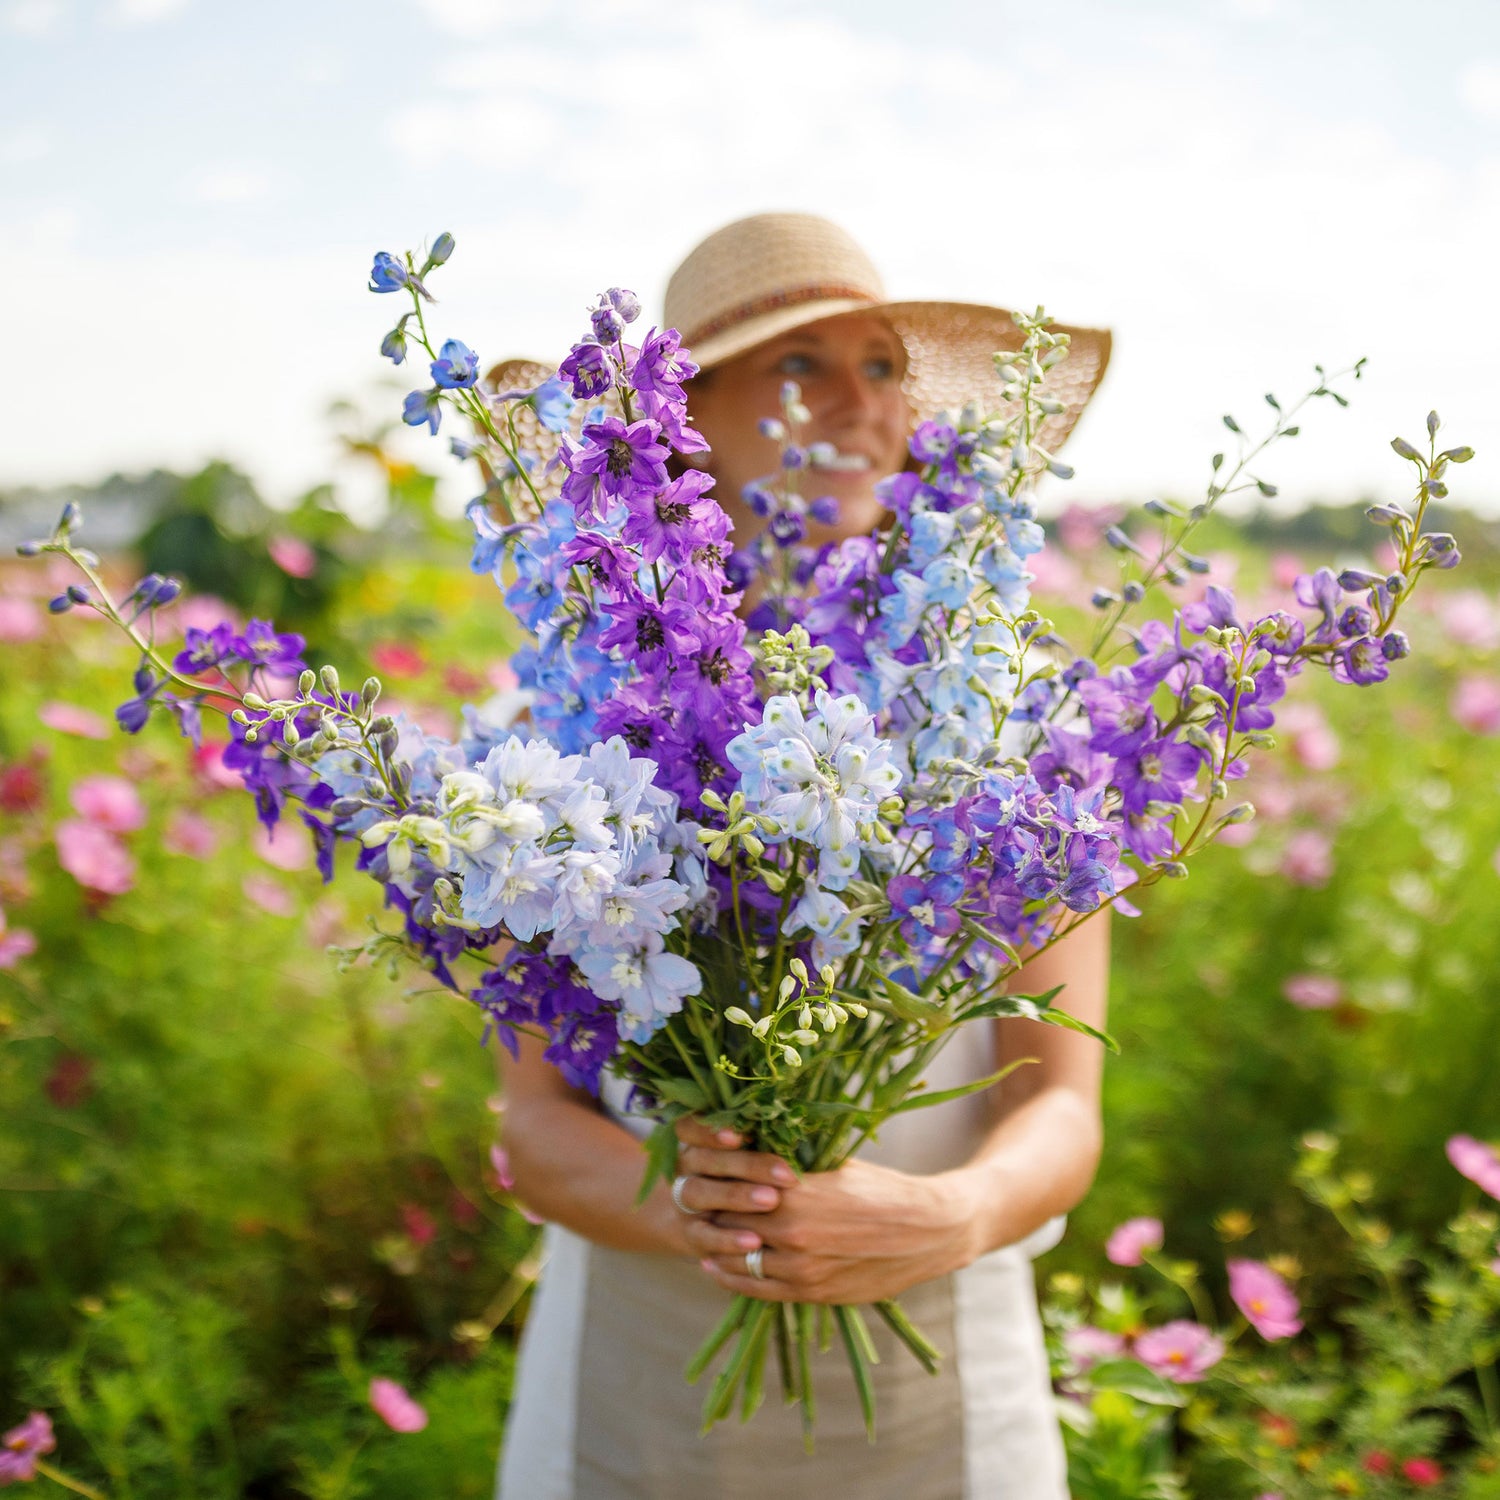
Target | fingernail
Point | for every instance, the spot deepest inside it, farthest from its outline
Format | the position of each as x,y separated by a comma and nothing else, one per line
709,1266
746,1241
728,1138
783,1173
765,1197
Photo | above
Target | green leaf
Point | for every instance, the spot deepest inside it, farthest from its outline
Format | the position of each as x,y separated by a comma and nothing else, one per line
1132,1378
921,1100
661,1159
684,1091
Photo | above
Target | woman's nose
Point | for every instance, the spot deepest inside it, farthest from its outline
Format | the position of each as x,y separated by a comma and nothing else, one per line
849,392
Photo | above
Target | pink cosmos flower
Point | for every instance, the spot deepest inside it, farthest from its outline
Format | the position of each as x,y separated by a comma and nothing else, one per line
1476,1161
1308,858
1054,572
69,718
208,762
20,619
191,834
1475,704
287,846
1133,1241
94,857
1286,568
393,659
1313,991
1087,1345
202,612
1264,1298
22,1446
111,802
293,556
1423,1472
1470,619
270,895
394,1407
1182,1351
1313,742
15,944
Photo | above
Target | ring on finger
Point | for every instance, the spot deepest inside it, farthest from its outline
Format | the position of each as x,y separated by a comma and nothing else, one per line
755,1263
678,1183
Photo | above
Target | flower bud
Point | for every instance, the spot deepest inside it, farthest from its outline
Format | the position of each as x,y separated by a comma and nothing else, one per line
71,516
1395,645
737,1016
306,682
1353,580
828,974
792,1056
442,248
1241,812
369,693
624,302
804,1037
1173,869
60,604
330,678
799,969
1133,592
78,594
786,989
773,429
1405,449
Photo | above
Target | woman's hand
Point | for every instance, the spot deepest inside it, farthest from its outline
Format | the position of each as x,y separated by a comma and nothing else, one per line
861,1233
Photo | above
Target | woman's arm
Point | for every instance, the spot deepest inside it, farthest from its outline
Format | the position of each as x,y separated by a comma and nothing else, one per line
578,1168
865,1232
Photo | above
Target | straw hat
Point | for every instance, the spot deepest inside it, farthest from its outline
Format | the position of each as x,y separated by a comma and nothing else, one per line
760,277
764,276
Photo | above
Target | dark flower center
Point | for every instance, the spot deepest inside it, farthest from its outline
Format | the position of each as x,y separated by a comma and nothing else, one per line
621,458
649,634
673,513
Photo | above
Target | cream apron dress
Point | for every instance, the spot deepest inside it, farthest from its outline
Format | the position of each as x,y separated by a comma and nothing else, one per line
602,1412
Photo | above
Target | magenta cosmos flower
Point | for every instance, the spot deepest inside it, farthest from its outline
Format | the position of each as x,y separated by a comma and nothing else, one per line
1476,1161
22,1446
1182,1351
1264,1298
1133,1241
394,1407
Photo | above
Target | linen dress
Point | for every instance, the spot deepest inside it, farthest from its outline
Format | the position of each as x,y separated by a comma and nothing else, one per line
602,1412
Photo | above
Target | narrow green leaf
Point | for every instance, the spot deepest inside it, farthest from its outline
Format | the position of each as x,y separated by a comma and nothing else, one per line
1134,1379
922,1100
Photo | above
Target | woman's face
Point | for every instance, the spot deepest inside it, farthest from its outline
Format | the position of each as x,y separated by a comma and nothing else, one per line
849,369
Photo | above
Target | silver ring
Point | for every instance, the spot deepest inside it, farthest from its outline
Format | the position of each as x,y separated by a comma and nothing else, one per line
678,1183
753,1263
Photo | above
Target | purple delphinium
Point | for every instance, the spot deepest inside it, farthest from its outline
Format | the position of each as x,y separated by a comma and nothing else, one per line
587,371
926,907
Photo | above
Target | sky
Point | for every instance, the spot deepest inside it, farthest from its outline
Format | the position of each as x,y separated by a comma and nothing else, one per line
191,192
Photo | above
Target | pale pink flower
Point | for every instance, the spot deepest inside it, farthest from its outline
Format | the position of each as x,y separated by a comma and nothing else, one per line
111,802
15,944
1313,742
1264,1298
394,1407
20,619
397,659
208,762
1286,568
287,846
1182,1351
1133,1240
94,857
270,895
293,556
1237,835
1274,800
1054,572
1313,991
1308,858
191,834
202,612
1475,704
1470,619
1476,1161
69,718
500,1161
1087,1345
1495,1265
503,677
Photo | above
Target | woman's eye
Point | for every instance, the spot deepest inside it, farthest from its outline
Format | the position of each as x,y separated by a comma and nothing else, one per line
880,369
794,365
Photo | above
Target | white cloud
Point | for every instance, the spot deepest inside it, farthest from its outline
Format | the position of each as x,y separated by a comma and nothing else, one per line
145,12
229,183
1479,88
36,18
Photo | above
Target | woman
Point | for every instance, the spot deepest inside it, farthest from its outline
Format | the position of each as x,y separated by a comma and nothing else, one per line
946,1207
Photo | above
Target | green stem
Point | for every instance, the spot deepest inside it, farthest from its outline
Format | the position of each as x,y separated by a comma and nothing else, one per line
67,1481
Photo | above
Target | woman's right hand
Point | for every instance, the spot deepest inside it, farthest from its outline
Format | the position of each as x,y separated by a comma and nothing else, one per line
720,1176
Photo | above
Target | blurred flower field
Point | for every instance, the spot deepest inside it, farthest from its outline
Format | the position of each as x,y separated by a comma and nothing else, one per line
255,1233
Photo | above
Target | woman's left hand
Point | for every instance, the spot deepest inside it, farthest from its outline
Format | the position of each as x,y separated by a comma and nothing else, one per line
861,1233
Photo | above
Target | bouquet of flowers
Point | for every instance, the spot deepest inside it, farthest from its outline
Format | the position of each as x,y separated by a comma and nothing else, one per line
760,864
